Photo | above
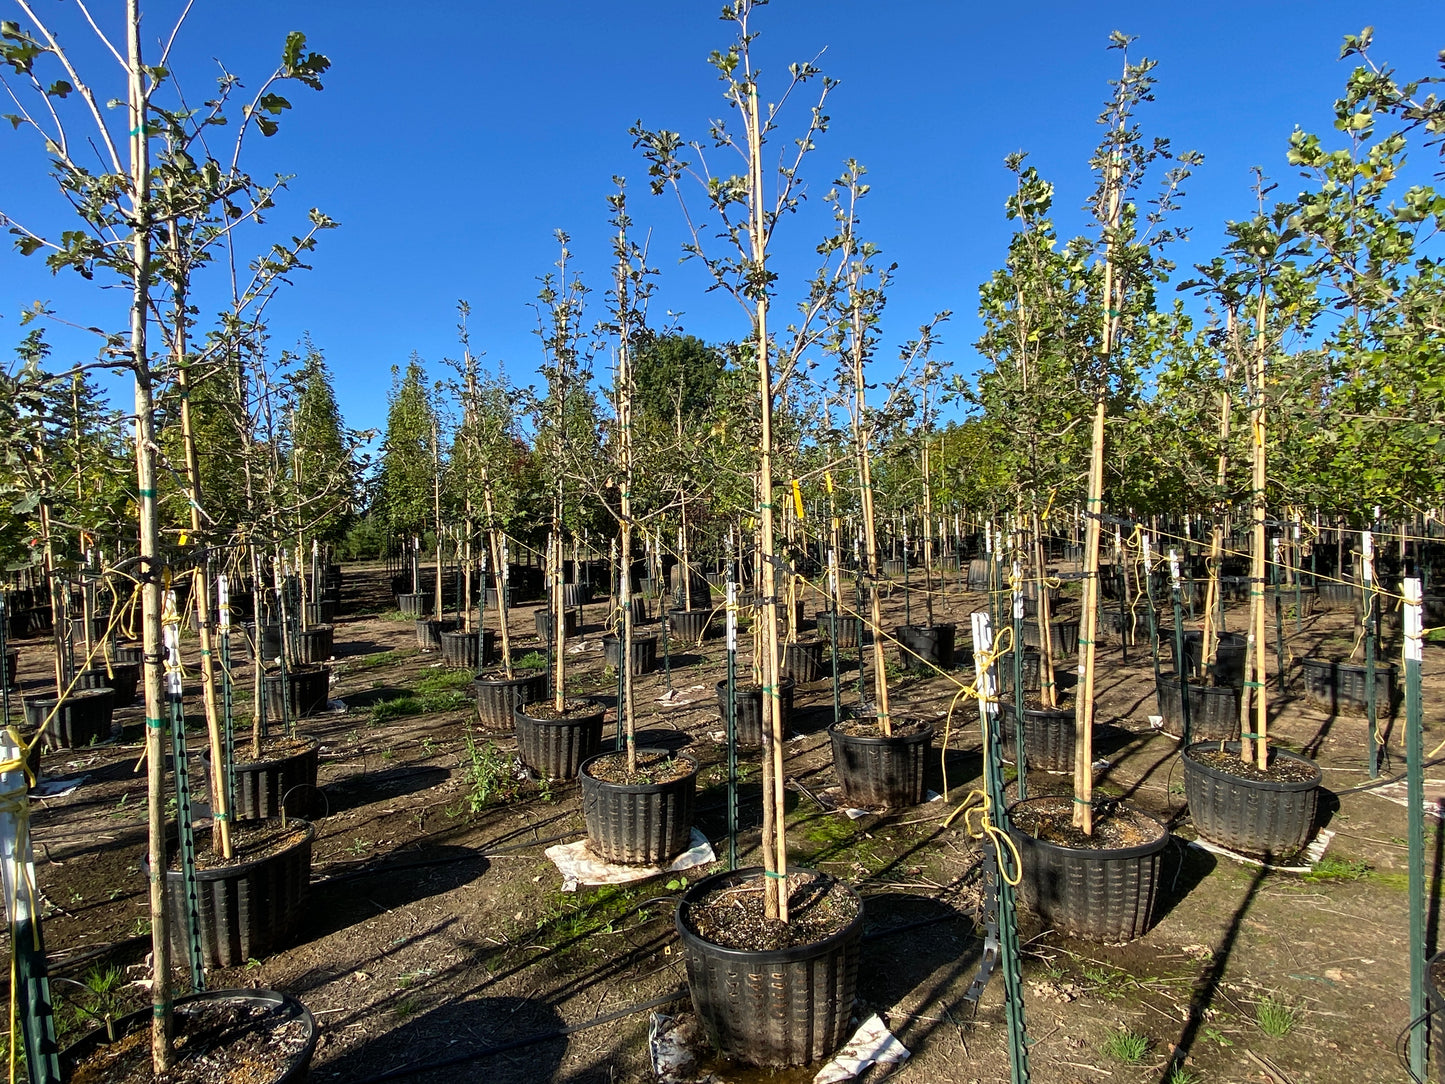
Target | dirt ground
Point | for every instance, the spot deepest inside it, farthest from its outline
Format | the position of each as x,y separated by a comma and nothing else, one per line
437,930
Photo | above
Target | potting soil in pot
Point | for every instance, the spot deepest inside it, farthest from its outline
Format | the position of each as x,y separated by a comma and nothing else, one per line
214,1041
1280,770
1115,827
653,769
248,843
818,907
869,728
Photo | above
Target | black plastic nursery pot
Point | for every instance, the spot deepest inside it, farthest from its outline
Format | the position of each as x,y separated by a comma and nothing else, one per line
1031,671
1130,628
263,641
749,699
83,719
249,907
123,679
1255,816
644,653
849,628
803,661
1097,893
690,626
429,631
314,645
1048,736
556,748
306,689
1031,598
321,612
416,604
639,824
133,654
543,619
288,1025
498,696
1336,687
469,650
875,770
1063,636
1335,596
282,780
1213,709
926,647
1229,660
576,594
770,1008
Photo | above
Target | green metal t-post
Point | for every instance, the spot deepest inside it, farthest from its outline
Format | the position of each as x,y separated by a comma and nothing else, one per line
186,841
1008,934
1371,633
1179,644
17,873
1415,803
1020,752
1153,616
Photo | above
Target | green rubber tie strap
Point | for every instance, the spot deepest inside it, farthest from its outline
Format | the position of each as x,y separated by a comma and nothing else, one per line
220,816
1254,685
155,724
1247,734
1082,801
774,875
148,494
1086,643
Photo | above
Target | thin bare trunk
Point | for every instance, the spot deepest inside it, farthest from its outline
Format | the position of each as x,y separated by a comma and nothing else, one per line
148,524
775,850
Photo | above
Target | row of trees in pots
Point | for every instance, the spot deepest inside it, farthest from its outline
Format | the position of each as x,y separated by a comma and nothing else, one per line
1076,334
241,473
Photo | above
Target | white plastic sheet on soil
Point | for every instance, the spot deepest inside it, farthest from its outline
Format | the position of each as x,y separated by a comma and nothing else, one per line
1311,854
579,866
677,1045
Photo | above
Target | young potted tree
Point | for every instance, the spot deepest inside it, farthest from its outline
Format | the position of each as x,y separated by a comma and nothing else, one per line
637,802
783,995
555,735
1107,856
148,181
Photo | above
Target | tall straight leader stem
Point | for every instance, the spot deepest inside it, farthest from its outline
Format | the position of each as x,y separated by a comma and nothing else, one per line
1094,506
148,531
775,848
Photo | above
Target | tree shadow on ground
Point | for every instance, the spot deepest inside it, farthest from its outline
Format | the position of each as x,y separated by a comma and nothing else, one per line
367,698
1208,983
1181,869
351,896
455,1040
367,787
346,649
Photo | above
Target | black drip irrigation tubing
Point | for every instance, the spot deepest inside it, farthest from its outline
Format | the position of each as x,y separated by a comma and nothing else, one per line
1385,782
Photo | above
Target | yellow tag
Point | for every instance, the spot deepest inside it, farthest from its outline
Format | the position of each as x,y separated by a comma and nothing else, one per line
185,539
828,481
798,500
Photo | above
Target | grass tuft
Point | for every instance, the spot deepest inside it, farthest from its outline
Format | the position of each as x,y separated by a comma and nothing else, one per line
1275,1016
1129,1047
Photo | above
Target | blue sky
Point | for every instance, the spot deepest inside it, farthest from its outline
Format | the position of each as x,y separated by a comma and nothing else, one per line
452,139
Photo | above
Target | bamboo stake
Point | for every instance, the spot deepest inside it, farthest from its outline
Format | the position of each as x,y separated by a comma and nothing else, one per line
1257,690
775,851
